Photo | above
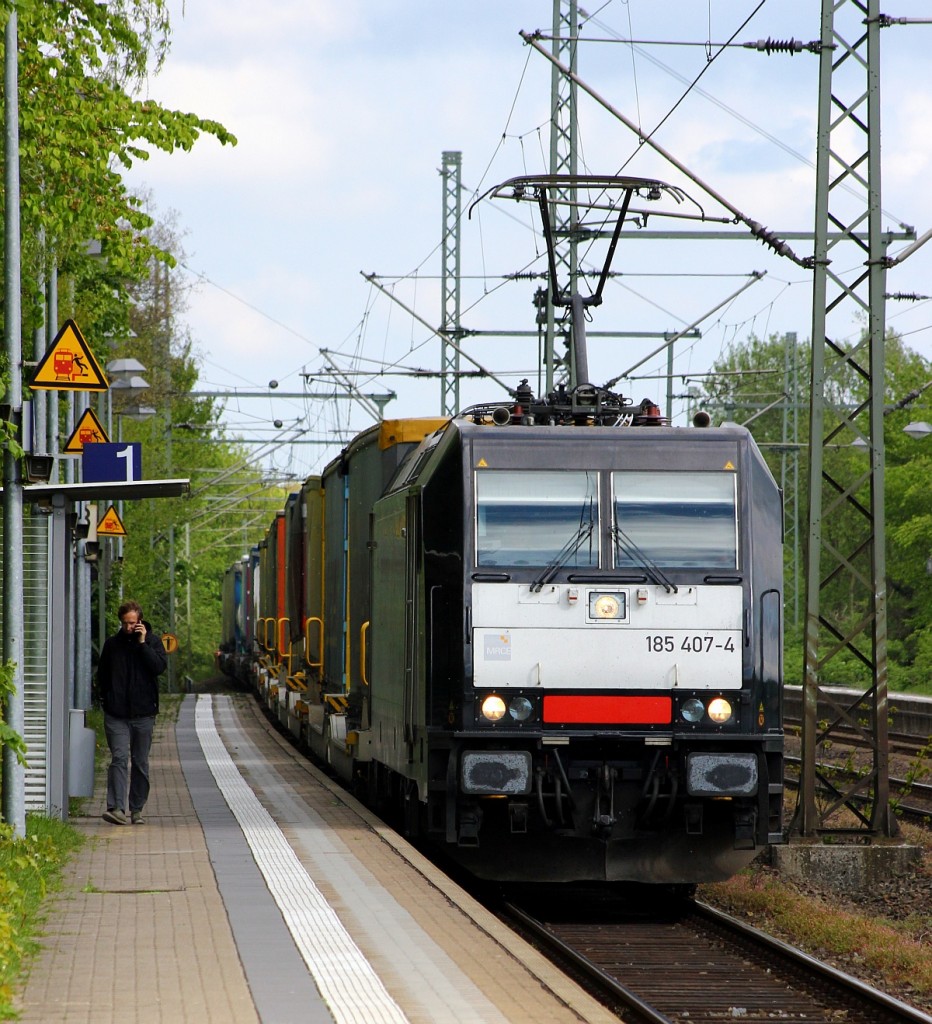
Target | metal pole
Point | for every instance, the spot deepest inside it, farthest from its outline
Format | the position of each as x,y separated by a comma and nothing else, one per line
669,409
563,160
847,568
451,175
83,623
172,596
51,330
39,404
187,598
14,774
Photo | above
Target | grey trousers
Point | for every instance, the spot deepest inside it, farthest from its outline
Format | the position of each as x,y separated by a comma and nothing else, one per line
129,739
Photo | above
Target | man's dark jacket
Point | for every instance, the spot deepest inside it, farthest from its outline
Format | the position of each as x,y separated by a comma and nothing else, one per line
128,674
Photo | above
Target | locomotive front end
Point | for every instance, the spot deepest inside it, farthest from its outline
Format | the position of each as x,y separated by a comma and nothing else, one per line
619,716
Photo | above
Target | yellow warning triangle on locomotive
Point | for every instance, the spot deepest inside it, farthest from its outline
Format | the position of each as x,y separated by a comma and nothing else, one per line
111,524
88,431
69,364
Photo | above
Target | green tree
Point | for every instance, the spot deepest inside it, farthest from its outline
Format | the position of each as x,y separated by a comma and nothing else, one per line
183,439
81,64
84,69
765,384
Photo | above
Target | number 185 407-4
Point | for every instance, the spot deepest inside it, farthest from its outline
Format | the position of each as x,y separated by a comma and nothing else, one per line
660,643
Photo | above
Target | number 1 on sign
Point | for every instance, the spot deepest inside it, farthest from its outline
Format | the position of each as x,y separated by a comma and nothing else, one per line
127,454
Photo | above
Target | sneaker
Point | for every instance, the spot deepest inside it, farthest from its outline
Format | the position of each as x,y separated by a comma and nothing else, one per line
138,819
114,816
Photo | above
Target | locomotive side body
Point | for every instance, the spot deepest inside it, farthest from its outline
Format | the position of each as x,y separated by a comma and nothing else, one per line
576,653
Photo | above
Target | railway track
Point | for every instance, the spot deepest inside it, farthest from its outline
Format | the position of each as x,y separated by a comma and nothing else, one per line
909,726
696,964
909,750
913,799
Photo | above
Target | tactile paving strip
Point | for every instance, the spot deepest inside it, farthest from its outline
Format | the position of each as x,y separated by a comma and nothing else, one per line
352,990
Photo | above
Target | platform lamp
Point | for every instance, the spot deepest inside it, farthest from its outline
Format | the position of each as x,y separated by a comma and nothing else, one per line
125,382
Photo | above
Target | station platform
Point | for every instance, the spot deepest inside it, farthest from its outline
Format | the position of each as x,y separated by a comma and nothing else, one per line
258,890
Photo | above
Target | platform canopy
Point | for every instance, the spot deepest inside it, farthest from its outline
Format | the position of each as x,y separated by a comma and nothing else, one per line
111,489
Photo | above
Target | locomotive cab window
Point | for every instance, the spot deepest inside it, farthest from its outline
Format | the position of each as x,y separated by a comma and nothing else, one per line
675,519
535,517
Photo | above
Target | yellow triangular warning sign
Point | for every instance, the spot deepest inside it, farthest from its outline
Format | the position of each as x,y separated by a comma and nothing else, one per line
88,431
729,465
69,365
111,524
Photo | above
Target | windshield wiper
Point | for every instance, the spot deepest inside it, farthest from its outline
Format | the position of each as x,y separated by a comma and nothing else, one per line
563,556
625,544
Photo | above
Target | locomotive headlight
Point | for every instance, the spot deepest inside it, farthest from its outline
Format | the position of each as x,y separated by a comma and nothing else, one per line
520,709
606,606
493,707
692,710
720,710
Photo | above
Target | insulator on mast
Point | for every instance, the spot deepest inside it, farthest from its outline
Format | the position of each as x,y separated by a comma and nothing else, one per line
789,46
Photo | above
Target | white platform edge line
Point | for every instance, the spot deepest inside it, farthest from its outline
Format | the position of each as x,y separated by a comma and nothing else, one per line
353,991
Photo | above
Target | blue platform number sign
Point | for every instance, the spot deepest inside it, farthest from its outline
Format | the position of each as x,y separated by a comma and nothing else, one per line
105,463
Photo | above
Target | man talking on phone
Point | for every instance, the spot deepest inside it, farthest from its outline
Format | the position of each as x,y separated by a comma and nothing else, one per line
128,677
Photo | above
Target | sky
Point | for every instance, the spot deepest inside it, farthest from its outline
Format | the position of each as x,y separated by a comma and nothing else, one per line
343,111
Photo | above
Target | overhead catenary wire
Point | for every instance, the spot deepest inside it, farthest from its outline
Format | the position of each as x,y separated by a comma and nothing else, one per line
756,276
440,334
766,236
272,445
747,122
768,45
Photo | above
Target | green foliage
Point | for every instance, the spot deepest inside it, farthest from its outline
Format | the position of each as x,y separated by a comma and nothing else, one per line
758,374
85,116
8,441
229,504
9,737
30,868
79,66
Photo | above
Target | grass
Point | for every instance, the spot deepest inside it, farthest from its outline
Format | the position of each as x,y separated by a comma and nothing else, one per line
892,953
829,931
30,869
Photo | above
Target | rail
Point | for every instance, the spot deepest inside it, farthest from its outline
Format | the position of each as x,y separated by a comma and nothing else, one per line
622,953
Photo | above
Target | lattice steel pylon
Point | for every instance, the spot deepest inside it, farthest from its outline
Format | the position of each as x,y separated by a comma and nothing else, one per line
846,572
451,173
563,160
